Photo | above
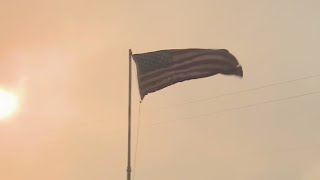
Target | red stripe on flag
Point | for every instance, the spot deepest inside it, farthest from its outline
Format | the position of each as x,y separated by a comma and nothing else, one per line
192,62
171,78
178,78
173,69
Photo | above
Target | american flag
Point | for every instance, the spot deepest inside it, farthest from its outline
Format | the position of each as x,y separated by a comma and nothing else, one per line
160,69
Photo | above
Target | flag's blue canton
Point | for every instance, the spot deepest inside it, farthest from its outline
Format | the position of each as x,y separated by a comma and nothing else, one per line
152,61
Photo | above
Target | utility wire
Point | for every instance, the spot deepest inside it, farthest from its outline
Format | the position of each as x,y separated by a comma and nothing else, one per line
85,123
242,91
242,107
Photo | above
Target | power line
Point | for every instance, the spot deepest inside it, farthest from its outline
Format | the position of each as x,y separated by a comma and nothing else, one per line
242,107
85,123
242,91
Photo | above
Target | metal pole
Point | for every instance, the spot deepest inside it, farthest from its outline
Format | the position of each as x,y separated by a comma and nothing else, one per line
129,120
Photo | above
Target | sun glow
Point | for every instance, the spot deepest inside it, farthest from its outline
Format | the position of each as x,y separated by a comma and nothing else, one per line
8,104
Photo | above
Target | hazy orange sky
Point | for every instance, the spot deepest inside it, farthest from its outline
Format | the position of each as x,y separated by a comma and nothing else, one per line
68,61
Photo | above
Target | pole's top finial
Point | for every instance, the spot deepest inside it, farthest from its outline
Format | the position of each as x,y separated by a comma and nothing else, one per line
130,52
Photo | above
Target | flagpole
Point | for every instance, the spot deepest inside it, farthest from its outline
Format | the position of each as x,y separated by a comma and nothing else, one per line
129,119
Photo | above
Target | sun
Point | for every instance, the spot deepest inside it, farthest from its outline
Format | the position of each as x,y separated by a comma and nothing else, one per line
8,104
